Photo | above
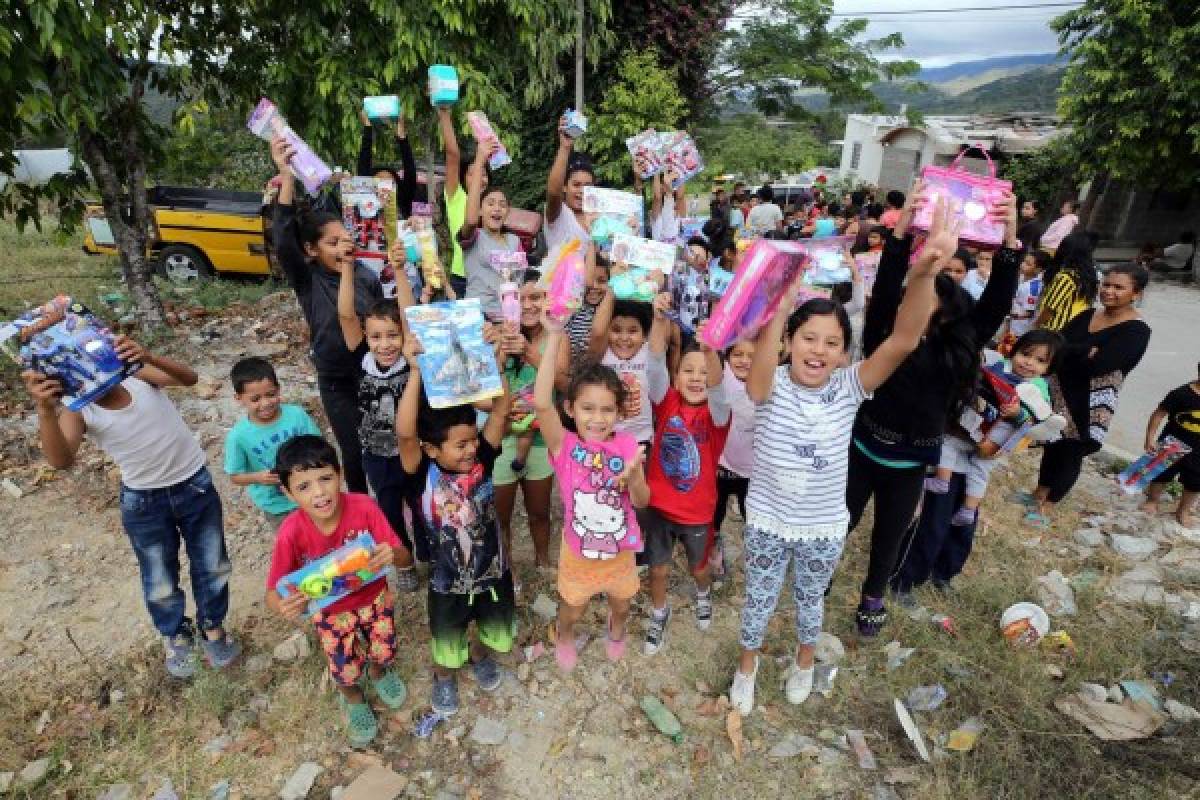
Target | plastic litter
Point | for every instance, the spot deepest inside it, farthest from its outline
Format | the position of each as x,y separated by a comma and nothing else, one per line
910,729
666,722
963,738
426,724
823,679
926,698
1024,624
858,743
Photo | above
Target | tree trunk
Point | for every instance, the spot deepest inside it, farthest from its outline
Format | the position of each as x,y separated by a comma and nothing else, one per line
130,237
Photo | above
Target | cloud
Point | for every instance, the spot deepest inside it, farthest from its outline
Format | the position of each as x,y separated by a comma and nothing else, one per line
939,39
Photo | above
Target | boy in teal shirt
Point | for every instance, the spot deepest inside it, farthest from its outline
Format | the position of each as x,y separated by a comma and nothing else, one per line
251,444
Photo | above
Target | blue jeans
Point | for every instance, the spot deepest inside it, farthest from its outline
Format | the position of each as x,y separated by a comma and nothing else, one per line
155,520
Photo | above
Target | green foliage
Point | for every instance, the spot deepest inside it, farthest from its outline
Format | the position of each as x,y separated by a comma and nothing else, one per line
1044,174
644,96
1132,88
751,147
214,150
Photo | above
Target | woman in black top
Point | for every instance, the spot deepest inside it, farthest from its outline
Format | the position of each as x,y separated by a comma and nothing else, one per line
313,249
1102,347
898,432
406,183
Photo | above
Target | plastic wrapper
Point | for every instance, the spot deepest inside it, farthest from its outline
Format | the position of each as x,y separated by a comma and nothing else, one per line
681,155
365,213
767,269
645,149
443,85
970,198
577,123
827,262
382,108
331,577
1138,475
565,280
458,366
266,123
482,129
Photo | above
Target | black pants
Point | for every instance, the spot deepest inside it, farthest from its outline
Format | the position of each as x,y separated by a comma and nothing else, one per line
934,548
729,484
387,481
1062,461
339,396
459,285
896,492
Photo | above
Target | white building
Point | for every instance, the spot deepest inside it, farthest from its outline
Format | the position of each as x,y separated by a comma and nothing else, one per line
886,151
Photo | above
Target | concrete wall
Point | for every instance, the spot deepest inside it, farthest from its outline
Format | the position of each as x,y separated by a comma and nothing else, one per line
863,132
1124,214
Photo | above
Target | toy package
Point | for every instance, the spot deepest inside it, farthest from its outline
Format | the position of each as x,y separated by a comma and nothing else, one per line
564,277
382,108
768,267
970,198
431,265
515,262
365,214
691,226
634,284
616,213
510,300
334,575
827,265
482,129
1138,475
644,148
681,154
718,281
266,123
443,85
458,366
868,267
576,123
645,253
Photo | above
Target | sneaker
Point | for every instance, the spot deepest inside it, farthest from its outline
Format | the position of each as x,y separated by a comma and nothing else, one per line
964,517
445,696
741,694
656,632
361,726
870,617
703,610
799,684
614,649
406,580
181,655
390,688
487,674
220,653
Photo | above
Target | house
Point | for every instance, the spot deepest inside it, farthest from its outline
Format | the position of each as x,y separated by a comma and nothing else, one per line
889,151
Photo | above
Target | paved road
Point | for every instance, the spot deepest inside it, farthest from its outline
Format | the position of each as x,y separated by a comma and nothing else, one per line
1173,312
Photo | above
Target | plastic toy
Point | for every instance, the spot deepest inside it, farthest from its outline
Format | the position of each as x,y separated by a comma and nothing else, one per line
443,85
482,128
431,266
565,281
636,284
576,123
766,270
681,155
334,575
458,366
970,198
266,123
827,265
382,108
65,341
366,205
1138,475
510,301
646,152
646,253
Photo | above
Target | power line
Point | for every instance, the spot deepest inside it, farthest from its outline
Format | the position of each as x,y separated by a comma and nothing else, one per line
953,10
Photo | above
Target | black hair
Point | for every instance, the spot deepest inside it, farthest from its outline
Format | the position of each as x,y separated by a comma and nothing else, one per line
951,341
580,163
251,370
434,424
835,209
1037,204
690,345
1040,337
875,210
964,255
699,241
590,372
642,312
1187,237
895,198
766,194
531,275
1136,272
385,309
1041,258
390,170
304,452
858,197
729,244
820,307
311,225
842,292
1074,252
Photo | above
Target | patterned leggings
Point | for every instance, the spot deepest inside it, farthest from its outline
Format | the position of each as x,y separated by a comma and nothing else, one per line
767,559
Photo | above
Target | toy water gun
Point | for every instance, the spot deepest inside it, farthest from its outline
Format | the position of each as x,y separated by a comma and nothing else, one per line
341,574
431,267
565,282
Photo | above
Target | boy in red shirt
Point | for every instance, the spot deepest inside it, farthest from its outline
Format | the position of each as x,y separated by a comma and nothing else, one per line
690,427
327,518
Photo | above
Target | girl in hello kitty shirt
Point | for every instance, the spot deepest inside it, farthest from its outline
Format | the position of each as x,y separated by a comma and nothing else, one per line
600,478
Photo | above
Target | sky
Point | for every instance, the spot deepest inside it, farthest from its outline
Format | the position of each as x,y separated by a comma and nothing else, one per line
936,40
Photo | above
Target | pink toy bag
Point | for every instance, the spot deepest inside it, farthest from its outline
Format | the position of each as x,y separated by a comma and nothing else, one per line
766,270
969,197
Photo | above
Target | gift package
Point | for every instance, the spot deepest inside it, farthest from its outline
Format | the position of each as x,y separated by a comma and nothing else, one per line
443,85
827,263
644,148
482,129
457,365
382,108
266,123
970,198
681,155
753,296
1138,475
645,253
334,575
365,214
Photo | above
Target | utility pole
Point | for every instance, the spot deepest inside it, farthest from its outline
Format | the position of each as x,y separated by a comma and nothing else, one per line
579,14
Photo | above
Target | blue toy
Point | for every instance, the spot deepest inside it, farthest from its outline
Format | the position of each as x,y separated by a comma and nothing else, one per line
443,85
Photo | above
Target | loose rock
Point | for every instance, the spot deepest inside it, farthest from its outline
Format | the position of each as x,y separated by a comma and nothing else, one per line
1094,691
34,772
1180,712
1055,595
488,731
1089,537
118,791
794,744
301,781
544,607
293,648
1134,547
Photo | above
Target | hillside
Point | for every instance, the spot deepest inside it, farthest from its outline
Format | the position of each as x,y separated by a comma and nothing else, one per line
968,69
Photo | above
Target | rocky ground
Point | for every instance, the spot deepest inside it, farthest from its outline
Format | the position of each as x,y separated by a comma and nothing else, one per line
89,711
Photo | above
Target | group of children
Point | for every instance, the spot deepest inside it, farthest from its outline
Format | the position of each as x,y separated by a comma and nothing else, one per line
645,430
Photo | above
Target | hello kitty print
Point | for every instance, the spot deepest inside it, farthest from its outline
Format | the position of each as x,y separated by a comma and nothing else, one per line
598,519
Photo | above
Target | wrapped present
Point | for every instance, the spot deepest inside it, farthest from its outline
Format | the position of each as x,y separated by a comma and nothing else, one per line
266,123
65,341
331,577
482,129
443,85
645,253
382,108
766,270
969,198
457,365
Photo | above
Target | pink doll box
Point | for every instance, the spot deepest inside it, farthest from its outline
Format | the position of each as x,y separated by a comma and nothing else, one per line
766,270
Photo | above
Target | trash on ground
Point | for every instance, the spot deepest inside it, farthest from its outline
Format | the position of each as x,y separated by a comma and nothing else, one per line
733,729
1023,624
1059,641
666,722
946,623
1142,693
1112,722
926,698
426,724
910,729
794,744
858,743
897,654
823,678
1056,594
963,738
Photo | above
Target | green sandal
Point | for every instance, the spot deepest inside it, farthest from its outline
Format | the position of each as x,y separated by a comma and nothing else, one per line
361,727
391,690
1036,519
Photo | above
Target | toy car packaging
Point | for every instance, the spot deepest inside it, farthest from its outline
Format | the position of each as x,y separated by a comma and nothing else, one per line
766,270
266,123
969,198
65,341
364,213
458,366
482,129
331,577
1138,475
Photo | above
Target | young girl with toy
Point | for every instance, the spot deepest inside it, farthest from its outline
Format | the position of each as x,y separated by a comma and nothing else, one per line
691,423
600,478
482,236
737,459
568,177
796,508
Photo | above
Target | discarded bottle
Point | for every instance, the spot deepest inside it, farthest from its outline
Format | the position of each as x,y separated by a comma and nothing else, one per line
663,719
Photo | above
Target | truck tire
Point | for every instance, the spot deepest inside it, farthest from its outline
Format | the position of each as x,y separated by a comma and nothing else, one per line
183,264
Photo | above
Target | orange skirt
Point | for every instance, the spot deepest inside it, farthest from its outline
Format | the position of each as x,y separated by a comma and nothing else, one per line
579,579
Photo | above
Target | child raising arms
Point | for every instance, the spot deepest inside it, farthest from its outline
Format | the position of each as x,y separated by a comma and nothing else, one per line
796,509
600,479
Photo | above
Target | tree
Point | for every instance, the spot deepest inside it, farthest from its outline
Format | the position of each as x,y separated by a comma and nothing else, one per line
1132,89
784,46
644,95
214,149
750,146
1044,175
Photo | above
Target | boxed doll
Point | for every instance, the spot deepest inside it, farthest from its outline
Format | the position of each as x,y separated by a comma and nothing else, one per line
482,129
766,270
266,123
969,198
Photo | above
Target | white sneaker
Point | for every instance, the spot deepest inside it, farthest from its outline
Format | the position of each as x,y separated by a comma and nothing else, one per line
799,684
741,694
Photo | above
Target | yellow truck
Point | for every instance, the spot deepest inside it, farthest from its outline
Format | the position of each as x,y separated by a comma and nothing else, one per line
196,234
